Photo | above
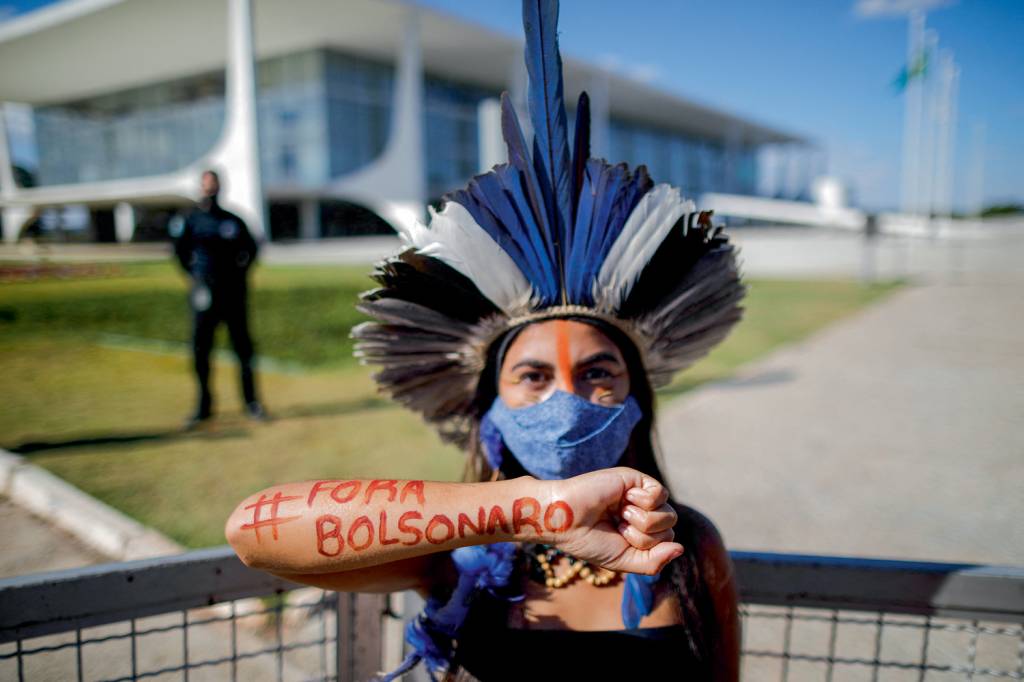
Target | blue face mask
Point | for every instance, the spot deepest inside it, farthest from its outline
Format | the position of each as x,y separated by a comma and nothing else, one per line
561,437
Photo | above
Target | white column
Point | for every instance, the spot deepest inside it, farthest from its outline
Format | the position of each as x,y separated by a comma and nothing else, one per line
309,219
15,216
237,153
600,117
14,219
489,141
124,222
407,135
732,150
7,184
395,184
518,84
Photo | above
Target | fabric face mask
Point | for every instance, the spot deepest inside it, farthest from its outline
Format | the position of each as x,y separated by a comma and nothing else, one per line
561,437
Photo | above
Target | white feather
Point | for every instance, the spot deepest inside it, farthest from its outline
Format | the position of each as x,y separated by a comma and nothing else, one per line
645,229
457,239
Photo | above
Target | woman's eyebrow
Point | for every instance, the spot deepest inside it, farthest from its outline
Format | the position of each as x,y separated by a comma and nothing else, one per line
535,364
603,356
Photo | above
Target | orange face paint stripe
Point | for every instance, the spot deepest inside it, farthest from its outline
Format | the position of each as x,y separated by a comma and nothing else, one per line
564,360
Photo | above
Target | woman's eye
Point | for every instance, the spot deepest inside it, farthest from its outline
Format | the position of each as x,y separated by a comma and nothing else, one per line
532,378
596,374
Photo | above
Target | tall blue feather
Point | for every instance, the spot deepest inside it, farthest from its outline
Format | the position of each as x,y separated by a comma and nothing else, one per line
509,204
580,149
547,114
556,220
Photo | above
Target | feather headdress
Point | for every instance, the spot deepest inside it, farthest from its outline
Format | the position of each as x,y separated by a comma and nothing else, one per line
551,233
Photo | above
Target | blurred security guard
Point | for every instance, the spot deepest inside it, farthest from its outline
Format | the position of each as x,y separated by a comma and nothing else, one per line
216,250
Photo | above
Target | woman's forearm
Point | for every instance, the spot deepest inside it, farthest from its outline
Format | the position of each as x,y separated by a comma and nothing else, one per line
338,525
617,518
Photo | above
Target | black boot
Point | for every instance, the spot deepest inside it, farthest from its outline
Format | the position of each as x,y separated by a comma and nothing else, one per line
203,412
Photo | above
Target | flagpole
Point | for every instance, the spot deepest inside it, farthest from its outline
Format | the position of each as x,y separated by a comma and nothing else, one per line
912,96
929,135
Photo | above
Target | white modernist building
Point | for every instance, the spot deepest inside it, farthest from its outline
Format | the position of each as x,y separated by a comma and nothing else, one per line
327,117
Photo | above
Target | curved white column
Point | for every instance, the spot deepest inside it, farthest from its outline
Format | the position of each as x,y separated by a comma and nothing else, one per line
14,217
395,185
236,154
124,222
489,141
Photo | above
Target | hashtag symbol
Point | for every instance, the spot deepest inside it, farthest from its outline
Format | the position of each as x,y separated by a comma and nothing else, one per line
273,520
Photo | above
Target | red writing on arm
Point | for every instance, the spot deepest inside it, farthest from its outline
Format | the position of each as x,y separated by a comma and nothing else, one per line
404,527
390,486
361,522
496,519
274,520
351,489
519,516
466,522
382,531
549,515
317,487
328,527
413,488
435,523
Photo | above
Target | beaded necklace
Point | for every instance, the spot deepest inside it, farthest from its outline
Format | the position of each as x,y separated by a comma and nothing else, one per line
543,557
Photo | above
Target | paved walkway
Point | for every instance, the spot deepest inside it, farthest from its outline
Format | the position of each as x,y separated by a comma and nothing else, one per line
895,433
32,545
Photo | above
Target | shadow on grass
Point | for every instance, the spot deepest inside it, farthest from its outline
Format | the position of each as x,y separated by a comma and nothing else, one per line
332,409
209,431
117,439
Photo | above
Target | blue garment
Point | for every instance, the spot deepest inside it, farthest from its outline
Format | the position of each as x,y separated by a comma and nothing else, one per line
561,437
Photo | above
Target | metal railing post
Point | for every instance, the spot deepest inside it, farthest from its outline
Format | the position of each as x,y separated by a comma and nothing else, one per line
345,637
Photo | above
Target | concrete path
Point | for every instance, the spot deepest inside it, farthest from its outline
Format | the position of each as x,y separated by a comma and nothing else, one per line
898,433
31,545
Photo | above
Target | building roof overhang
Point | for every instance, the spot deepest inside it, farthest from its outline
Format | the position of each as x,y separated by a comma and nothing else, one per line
80,48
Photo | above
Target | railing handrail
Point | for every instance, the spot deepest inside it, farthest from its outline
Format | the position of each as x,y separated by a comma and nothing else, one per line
973,591
59,601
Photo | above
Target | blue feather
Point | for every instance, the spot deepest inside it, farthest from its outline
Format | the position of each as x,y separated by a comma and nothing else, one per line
607,196
499,203
581,149
555,220
519,158
547,113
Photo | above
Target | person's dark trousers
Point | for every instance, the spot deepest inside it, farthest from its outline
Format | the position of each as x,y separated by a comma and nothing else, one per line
208,312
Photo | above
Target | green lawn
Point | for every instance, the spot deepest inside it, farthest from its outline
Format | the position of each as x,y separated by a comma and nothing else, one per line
97,383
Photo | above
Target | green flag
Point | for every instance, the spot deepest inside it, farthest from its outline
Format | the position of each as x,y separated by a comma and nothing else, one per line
918,68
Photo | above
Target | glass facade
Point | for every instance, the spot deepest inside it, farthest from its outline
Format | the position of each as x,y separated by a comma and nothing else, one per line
693,164
452,134
140,132
324,114
321,114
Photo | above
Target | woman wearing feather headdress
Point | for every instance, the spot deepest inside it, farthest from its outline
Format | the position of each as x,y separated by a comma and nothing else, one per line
530,322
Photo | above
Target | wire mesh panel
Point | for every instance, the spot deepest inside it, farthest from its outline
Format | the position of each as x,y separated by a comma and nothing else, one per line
290,636
205,616
803,644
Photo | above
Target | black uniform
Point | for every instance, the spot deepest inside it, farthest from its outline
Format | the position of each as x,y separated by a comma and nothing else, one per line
216,249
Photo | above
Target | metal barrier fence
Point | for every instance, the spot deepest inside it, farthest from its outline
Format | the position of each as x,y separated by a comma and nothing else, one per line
203,615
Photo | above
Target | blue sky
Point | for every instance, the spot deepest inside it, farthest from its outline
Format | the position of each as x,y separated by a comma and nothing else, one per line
822,69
